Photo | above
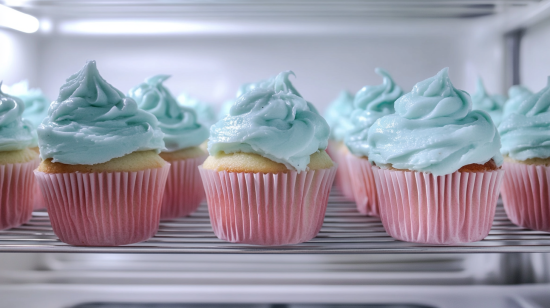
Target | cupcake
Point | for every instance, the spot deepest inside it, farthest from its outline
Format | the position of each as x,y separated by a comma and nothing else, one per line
338,118
517,94
492,104
437,166
268,177
526,148
101,176
182,135
17,162
205,113
36,110
371,103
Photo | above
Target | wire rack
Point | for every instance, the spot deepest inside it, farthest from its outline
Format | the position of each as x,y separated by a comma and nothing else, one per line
344,231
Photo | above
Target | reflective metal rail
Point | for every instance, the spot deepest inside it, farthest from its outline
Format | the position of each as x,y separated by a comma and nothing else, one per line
344,231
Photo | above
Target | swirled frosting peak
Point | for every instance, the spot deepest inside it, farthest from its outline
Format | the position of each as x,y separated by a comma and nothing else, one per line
36,104
15,133
91,122
434,130
338,115
371,103
179,124
517,94
492,104
274,122
526,132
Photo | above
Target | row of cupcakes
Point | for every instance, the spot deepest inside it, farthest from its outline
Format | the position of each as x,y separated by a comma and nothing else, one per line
400,155
113,165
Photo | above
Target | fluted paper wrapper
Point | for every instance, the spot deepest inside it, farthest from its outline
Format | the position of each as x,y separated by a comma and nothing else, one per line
38,202
363,184
343,178
451,209
525,194
16,198
184,190
104,209
267,209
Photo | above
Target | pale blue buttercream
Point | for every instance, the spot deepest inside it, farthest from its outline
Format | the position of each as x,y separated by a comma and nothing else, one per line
91,122
205,113
265,84
517,95
526,132
36,103
15,133
338,115
371,103
492,104
179,124
434,130
274,122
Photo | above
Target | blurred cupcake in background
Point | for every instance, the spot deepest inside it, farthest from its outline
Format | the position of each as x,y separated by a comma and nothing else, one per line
36,110
525,137
182,136
370,103
101,175
492,104
437,166
517,94
205,112
338,118
17,162
268,177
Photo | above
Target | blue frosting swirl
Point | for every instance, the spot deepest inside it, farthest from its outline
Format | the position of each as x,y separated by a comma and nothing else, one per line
526,133
36,103
205,113
492,104
371,103
337,115
91,122
517,95
434,130
15,133
272,121
179,124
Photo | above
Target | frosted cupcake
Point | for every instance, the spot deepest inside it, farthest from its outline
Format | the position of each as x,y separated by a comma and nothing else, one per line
338,118
182,135
101,176
517,94
492,104
437,166
526,149
268,177
371,103
36,110
17,162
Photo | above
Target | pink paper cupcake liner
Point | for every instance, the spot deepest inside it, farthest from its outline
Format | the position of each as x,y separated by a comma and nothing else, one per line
38,200
16,193
343,177
184,190
526,195
451,209
267,209
104,209
363,184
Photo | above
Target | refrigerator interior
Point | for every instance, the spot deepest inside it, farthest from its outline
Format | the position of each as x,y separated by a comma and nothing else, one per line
210,48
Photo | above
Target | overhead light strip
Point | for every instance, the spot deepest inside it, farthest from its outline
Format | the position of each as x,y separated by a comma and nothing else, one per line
16,20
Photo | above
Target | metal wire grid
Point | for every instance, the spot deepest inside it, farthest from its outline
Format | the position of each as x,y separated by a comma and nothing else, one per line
344,231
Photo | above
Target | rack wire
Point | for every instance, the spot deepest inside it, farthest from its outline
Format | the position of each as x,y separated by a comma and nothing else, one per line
344,231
